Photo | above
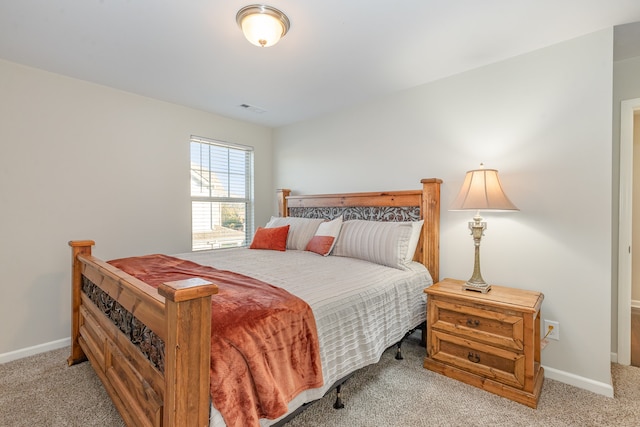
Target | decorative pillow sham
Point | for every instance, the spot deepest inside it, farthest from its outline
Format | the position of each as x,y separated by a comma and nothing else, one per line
274,238
325,239
300,232
385,243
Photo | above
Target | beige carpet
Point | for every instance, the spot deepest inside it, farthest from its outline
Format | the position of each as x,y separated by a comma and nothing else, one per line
43,391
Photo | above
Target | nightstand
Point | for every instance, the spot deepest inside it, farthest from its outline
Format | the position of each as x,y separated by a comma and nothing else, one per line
491,341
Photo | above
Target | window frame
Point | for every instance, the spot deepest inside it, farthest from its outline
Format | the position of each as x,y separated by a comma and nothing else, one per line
248,199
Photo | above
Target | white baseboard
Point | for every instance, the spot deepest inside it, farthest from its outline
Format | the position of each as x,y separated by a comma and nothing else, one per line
36,349
635,304
578,381
551,373
614,357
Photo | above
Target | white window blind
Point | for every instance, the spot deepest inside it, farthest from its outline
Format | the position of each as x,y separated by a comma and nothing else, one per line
221,194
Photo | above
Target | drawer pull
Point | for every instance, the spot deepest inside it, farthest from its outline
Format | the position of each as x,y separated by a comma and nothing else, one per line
473,357
473,323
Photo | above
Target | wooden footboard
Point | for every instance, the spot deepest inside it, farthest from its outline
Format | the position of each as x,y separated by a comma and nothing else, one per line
163,380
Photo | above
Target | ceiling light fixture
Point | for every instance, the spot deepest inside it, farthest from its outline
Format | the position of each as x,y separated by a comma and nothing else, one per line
262,25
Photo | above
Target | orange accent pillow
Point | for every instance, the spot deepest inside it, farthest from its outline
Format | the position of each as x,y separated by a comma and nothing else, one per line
320,244
270,238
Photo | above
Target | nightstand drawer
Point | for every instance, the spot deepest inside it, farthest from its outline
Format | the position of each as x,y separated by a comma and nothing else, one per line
503,366
479,323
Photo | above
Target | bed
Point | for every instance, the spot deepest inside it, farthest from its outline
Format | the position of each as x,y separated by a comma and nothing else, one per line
142,356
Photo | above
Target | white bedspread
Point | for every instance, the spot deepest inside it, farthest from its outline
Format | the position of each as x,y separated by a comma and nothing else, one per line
360,308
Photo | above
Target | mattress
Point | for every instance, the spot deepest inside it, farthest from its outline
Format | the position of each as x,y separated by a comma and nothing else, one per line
360,308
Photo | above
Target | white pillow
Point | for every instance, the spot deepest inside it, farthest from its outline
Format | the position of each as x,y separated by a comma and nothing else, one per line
301,230
416,229
325,238
385,243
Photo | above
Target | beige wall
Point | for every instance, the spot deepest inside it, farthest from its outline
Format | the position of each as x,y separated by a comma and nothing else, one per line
544,121
83,161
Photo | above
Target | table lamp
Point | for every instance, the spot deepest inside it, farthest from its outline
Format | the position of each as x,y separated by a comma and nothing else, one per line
481,190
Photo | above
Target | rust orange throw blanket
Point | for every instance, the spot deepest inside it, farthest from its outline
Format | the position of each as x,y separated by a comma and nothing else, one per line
264,343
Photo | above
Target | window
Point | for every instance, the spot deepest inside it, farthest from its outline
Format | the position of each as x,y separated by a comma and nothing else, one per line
221,194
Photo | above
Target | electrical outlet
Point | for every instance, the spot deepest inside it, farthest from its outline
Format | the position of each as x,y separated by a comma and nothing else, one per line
551,329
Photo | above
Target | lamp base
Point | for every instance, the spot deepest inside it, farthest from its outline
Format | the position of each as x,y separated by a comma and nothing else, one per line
477,287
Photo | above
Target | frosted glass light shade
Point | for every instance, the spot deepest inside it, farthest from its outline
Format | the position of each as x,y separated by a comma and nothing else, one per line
482,191
262,25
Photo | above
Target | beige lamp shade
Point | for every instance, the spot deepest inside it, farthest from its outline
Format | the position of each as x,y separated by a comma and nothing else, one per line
262,25
482,191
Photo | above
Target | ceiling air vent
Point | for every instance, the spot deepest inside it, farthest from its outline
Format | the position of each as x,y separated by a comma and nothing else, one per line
253,108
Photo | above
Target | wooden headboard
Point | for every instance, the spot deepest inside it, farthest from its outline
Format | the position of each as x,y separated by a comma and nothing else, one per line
411,205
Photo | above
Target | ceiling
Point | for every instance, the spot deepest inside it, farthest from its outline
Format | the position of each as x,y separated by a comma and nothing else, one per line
337,53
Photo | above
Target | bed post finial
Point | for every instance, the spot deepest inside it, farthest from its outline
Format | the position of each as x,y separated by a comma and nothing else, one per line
283,193
78,247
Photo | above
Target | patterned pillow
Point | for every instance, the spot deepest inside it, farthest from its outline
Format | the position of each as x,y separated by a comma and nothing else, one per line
385,243
301,230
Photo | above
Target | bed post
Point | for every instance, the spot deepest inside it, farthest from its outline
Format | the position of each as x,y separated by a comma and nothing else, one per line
78,247
187,352
282,194
431,231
